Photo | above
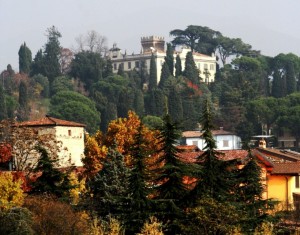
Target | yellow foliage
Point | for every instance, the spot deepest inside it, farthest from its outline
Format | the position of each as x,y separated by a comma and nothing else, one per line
11,193
153,227
78,189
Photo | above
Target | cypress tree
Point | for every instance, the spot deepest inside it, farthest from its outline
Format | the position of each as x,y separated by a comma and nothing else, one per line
108,71
169,59
191,71
37,66
3,110
278,87
121,70
25,59
175,108
178,67
155,104
153,73
165,74
291,84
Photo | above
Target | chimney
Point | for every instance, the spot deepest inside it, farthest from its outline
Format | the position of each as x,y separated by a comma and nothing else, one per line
262,143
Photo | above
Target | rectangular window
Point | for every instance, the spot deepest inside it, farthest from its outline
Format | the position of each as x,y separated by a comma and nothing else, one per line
137,64
205,66
225,143
297,182
115,66
199,66
211,67
129,65
69,132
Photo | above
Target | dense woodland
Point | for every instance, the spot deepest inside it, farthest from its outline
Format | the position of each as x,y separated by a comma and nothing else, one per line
133,176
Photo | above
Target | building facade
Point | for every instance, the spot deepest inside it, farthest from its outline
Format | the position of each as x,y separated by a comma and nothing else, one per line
156,45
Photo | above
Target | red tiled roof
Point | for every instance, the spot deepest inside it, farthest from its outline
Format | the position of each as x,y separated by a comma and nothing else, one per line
277,155
290,168
195,134
49,121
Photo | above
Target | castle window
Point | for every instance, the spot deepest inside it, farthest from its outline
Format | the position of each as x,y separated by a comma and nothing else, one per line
129,65
211,67
69,133
115,66
205,66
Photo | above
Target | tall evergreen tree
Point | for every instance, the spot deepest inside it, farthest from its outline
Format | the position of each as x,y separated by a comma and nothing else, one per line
178,66
110,187
52,180
153,73
140,203
3,110
51,54
25,59
191,71
155,103
24,109
175,108
37,66
278,87
291,84
165,74
108,70
169,59
121,70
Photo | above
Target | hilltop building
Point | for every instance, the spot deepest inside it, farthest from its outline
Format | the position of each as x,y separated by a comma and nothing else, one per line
156,45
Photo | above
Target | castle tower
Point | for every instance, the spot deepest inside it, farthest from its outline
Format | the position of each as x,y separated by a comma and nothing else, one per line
152,43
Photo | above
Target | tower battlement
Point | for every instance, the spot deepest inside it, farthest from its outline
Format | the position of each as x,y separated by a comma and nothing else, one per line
151,43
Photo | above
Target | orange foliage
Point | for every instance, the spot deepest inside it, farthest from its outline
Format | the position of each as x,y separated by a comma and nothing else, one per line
122,132
5,153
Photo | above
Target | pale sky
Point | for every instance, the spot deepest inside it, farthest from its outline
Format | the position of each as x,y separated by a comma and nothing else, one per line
272,26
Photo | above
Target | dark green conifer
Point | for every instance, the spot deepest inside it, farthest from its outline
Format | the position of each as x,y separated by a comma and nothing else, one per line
169,59
24,109
291,84
3,110
191,71
165,74
108,70
25,59
153,73
178,66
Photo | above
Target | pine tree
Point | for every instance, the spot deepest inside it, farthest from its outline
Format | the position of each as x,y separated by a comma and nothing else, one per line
140,204
249,195
155,103
169,59
52,180
37,66
165,74
25,59
178,67
110,187
153,73
3,110
214,178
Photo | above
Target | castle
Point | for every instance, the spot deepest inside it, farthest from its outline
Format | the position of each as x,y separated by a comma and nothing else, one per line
156,45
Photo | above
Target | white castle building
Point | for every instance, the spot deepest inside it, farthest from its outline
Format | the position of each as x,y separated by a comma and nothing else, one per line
156,45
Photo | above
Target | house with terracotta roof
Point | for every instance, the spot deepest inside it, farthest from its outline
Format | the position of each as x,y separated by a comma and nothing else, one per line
280,170
155,45
69,134
225,140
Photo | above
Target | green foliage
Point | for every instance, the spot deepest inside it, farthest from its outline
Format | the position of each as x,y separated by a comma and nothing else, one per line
191,71
165,74
155,103
152,122
25,59
52,180
61,83
24,109
3,110
178,66
16,221
40,86
108,69
153,73
175,108
69,105
169,59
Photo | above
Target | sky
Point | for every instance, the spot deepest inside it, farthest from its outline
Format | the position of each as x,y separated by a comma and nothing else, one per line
271,26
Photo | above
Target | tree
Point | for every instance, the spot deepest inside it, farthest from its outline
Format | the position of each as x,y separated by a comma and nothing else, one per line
278,85
290,78
169,59
25,59
198,38
108,69
92,42
3,110
75,107
37,66
52,54
165,74
155,103
121,70
40,86
250,196
178,67
175,108
24,109
62,83
52,180
191,71
11,193
110,187
153,73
